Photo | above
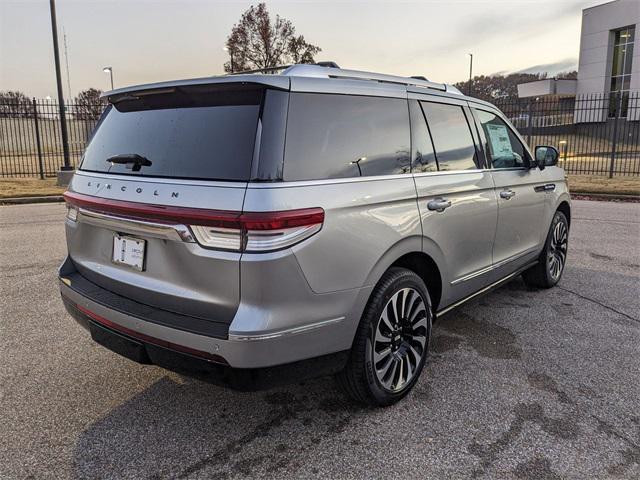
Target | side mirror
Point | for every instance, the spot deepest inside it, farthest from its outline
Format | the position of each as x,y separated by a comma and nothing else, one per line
546,156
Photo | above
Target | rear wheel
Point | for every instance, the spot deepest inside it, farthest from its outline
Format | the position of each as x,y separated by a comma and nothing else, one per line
392,341
552,260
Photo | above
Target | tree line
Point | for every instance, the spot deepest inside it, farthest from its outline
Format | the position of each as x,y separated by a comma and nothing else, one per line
87,105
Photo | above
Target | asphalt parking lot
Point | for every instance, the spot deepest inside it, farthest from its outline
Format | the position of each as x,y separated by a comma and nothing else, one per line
520,384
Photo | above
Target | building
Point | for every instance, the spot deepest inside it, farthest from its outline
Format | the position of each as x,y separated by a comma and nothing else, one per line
608,61
608,65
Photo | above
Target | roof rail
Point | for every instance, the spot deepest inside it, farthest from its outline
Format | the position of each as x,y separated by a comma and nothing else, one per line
329,72
283,67
262,70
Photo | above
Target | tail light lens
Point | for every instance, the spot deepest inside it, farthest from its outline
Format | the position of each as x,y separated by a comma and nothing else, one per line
220,229
262,232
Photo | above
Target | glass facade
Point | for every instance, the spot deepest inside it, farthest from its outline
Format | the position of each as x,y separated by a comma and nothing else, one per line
623,42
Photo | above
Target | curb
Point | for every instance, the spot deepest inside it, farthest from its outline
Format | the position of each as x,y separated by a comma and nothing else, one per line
607,197
26,200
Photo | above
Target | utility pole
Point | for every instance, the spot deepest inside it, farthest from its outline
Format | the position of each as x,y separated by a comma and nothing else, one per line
66,171
470,72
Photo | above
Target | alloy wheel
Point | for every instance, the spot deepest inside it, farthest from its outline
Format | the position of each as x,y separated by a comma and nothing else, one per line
558,250
400,339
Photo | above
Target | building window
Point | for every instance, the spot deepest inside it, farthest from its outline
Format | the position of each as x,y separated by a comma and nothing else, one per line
621,71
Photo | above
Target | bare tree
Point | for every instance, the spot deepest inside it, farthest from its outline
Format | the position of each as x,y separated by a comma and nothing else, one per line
14,104
258,42
89,105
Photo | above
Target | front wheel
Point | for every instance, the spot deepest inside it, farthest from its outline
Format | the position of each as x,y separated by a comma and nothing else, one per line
553,258
392,341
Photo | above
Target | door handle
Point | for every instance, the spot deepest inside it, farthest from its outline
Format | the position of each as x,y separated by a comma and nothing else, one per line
507,194
549,187
439,204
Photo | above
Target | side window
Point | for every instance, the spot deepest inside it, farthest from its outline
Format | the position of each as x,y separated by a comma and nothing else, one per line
452,138
338,136
503,148
423,158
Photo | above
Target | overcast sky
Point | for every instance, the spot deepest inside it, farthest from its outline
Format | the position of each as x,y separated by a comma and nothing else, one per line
148,41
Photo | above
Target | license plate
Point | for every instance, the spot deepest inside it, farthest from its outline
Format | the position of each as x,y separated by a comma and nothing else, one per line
129,251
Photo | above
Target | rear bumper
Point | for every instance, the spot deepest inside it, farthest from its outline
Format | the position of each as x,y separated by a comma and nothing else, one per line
231,348
212,370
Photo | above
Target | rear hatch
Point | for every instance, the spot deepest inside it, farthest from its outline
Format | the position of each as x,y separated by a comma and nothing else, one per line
160,165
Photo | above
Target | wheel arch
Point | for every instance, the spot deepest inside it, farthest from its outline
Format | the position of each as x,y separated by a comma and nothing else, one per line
427,269
418,255
565,208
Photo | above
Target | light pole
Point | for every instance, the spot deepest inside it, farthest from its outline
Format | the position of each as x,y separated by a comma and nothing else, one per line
109,70
470,72
66,171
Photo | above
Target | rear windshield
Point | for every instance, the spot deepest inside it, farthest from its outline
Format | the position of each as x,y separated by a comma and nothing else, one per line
178,134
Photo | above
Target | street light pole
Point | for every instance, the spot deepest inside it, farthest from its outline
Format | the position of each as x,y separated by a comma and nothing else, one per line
110,70
470,72
64,174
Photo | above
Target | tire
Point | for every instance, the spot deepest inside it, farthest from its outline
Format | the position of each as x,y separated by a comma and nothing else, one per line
548,271
400,353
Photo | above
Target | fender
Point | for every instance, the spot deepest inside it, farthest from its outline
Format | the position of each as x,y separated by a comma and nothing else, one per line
403,247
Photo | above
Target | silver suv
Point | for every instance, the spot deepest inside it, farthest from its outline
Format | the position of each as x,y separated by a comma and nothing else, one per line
249,229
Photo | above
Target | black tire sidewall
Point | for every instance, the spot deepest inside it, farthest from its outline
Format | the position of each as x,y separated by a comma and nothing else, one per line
402,279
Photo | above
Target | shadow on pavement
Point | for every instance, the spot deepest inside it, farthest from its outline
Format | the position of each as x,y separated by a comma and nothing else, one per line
180,427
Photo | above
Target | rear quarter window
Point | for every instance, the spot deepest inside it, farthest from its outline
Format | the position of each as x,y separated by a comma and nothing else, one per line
341,136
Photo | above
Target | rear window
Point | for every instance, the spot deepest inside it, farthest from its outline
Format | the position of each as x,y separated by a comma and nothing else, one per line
178,134
338,136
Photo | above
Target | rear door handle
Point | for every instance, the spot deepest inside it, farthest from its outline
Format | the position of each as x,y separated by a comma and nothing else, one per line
439,204
507,194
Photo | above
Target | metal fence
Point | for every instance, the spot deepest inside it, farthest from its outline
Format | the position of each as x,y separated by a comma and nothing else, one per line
596,134
31,140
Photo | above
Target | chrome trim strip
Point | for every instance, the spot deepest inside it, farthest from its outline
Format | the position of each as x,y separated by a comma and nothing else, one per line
501,263
307,183
471,275
376,178
486,289
176,232
250,337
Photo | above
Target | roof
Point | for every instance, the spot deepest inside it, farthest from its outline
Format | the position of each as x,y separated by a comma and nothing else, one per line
283,80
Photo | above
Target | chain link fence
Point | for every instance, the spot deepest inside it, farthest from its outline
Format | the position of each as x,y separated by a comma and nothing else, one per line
596,134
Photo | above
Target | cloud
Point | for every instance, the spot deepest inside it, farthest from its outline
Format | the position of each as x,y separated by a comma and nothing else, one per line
565,65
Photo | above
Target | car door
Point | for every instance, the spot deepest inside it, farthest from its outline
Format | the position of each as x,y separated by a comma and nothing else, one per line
456,197
519,190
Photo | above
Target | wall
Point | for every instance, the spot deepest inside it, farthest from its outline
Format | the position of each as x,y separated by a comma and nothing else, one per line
596,49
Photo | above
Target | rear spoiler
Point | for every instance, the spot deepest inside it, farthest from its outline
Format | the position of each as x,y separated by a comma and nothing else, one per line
271,81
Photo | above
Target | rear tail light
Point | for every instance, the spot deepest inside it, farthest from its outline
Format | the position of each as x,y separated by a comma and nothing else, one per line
262,232
219,229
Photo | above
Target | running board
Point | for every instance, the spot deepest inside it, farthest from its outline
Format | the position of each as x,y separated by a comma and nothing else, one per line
486,289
